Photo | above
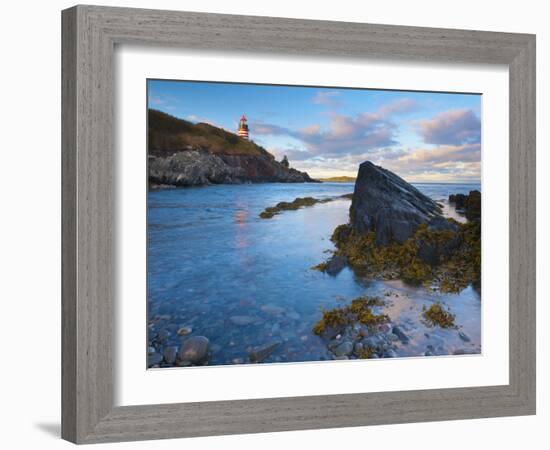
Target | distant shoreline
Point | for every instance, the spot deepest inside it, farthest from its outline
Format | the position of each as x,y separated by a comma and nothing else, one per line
346,179
445,182
341,179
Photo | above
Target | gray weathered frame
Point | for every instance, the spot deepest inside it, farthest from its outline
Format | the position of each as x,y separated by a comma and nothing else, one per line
89,37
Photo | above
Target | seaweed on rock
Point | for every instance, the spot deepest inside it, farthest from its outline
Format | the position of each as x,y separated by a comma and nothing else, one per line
437,315
298,203
446,256
358,311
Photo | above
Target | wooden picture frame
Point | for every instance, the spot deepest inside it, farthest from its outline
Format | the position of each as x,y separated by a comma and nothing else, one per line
90,34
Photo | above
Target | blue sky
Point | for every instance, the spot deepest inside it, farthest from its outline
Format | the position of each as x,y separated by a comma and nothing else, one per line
430,137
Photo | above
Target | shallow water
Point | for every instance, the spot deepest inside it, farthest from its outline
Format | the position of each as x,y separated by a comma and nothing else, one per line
242,281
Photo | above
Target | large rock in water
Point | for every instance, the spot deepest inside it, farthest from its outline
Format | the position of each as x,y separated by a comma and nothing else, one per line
386,204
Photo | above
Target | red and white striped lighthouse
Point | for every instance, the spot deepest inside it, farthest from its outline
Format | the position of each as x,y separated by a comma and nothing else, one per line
243,128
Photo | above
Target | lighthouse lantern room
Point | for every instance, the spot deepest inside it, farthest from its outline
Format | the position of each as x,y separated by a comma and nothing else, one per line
243,128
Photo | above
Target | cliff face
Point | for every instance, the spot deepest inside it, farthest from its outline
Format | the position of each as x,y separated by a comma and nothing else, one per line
185,154
197,168
386,204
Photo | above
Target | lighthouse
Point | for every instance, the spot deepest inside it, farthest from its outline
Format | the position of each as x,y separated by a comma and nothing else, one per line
243,128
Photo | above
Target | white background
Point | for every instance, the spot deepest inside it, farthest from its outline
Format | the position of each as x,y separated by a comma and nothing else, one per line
135,386
30,225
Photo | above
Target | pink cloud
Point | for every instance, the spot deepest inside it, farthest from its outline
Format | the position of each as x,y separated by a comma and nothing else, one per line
453,127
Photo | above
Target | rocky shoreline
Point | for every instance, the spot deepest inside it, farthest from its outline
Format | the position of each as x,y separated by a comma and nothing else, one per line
201,168
180,345
361,330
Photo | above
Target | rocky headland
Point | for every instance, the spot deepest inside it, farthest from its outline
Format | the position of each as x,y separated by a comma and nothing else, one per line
183,154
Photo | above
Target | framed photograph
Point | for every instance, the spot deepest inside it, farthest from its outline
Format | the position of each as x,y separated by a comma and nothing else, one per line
277,224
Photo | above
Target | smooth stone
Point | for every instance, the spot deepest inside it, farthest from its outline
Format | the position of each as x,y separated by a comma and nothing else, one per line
370,342
400,334
194,349
344,349
183,331
373,341
384,328
259,354
241,320
390,354
428,353
272,309
357,348
363,331
163,335
170,354
154,359
150,350
463,336
393,337
464,351
293,315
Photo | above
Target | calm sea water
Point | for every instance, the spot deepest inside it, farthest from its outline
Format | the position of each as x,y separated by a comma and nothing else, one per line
211,258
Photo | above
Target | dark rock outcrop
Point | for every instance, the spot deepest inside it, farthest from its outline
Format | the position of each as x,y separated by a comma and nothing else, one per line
433,251
191,168
470,204
264,169
197,168
473,205
261,353
457,200
194,350
387,205
335,265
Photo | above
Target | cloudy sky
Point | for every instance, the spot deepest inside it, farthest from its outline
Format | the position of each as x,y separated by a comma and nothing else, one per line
431,137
